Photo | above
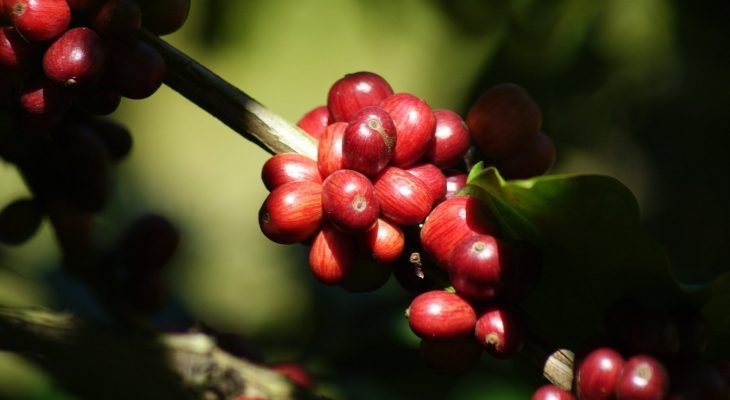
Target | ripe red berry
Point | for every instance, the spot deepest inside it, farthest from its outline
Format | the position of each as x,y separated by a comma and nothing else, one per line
16,55
315,121
385,241
117,19
369,140
355,91
500,331
163,17
534,159
502,120
450,357
441,315
348,201
332,255
329,149
19,221
39,96
451,222
643,378
289,167
451,139
415,124
552,392
404,199
455,181
135,69
598,374
432,176
39,20
478,267
292,212
75,58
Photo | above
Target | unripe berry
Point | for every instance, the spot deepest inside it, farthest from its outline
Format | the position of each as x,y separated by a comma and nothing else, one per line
355,91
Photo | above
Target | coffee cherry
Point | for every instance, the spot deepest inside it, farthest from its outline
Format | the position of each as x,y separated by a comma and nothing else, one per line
75,58
331,255
292,212
432,176
355,91
451,139
39,20
643,378
289,167
315,121
452,221
135,69
348,201
16,55
598,374
385,241
19,221
116,138
99,100
329,149
477,267
404,199
369,140
441,315
39,96
500,331
455,181
534,159
163,17
450,357
415,124
552,392
117,19
502,120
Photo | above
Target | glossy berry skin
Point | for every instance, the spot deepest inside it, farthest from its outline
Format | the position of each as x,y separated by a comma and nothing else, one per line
355,91
432,176
348,201
451,139
404,199
315,121
117,19
452,221
385,241
19,221
163,17
534,159
441,315
598,374
369,140
478,267
500,331
331,256
415,125
292,212
450,357
135,69
39,20
502,120
643,378
551,392
455,181
329,149
289,167
42,97
76,58
16,55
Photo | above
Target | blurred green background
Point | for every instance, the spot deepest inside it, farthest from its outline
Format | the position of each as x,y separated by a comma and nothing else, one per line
633,89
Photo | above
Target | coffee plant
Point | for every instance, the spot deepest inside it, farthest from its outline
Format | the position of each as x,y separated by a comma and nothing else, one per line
499,259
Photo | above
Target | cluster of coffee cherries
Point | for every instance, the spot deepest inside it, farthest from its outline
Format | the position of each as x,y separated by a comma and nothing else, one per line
65,65
647,355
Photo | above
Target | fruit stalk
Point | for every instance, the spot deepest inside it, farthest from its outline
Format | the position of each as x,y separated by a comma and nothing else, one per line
230,105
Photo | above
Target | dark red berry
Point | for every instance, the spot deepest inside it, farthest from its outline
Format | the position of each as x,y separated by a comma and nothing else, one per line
643,378
551,392
451,139
348,201
432,176
117,19
535,158
39,20
99,101
500,331
116,138
135,69
163,17
16,55
149,243
597,375
404,199
355,91
478,267
39,96
369,140
292,212
289,167
76,58
332,255
415,125
315,121
329,149
441,315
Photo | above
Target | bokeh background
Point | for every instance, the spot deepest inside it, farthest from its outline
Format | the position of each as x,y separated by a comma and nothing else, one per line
633,89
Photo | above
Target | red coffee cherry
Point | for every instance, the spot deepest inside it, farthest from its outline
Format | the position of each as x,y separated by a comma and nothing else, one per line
289,167
450,357
415,124
478,267
348,201
404,199
534,159
451,139
76,58
120,19
500,331
598,374
19,221
98,100
315,121
385,241
369,140
116,137
432,176
39,96
17,56
502,120
39,20
441,315
643,378
552,392
455,181
163,17
331,256
135,69
451,222
329,149
292,212
356,91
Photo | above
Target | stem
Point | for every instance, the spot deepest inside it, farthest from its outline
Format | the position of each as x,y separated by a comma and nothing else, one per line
229,104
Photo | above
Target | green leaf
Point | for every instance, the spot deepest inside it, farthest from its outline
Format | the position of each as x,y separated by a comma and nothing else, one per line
594,249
